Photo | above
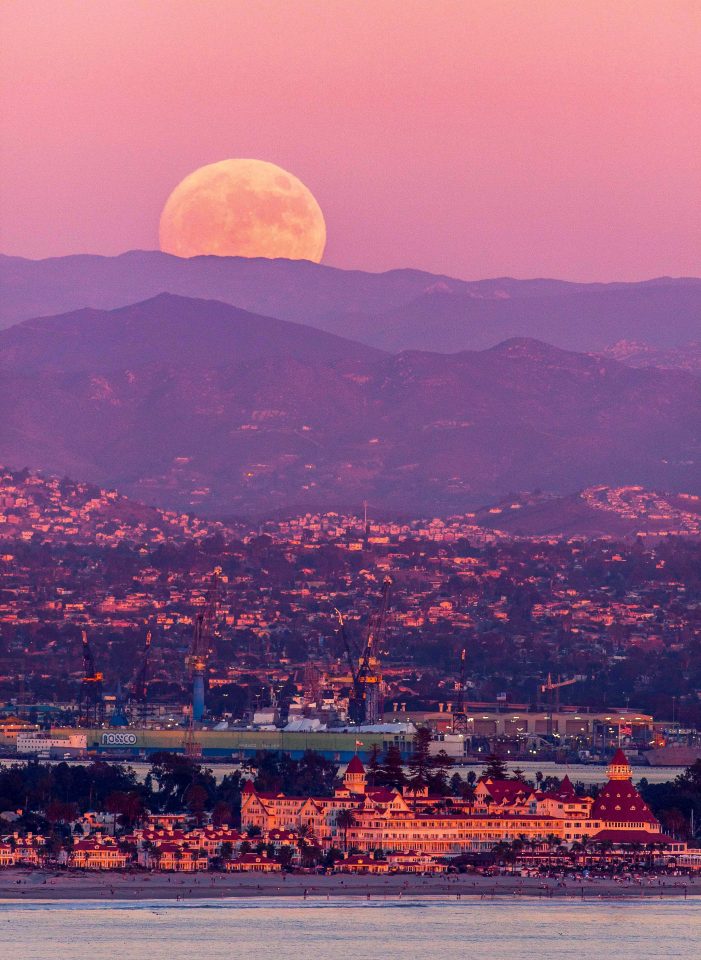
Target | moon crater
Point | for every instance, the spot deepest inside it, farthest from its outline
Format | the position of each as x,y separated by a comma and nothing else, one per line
243,208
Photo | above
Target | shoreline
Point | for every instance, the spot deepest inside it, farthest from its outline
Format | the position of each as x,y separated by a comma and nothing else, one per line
48,885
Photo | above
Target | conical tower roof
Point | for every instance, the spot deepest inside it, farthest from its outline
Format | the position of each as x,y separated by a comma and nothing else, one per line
356,765
619,801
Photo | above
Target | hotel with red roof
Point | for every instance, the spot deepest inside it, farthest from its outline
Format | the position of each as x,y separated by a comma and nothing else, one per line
501,811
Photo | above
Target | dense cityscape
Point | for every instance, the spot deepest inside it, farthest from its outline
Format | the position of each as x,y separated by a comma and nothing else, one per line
370,680
622,617
350,501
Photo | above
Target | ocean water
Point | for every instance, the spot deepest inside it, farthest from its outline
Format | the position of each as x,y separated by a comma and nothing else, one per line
346,929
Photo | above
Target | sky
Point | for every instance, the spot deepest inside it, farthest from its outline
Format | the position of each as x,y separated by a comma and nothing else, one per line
474,138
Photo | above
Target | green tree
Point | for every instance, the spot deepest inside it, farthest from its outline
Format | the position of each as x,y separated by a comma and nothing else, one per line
332,856
456,785
392,769
344,821
421,762
496,768
196,800
373,766
222,814
285,855
438,781
691,778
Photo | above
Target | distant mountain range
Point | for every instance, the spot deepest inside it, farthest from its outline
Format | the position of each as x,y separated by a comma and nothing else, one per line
197,405
661,314
394,311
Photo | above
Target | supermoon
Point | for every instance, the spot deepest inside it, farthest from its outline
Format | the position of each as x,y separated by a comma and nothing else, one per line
243,208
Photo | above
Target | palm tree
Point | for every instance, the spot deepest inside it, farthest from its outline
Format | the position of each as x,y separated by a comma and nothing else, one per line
552,841
606,849
576,850
302,833
468,793
345,820
584,846
635,849
502,851
516,850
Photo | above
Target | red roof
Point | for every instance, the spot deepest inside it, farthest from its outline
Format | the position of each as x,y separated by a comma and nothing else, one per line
566,791
189,849
620,759
620,802
356,765
380,794
224,835
282,835
253,858
248,787
95,845
505,790
630,836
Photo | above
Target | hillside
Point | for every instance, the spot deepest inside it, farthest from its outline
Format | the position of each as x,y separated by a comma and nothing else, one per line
166,329
687,357
397,310
243,417
56,511
600,511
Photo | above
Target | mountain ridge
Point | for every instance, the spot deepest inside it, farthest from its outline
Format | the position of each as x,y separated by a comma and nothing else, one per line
255,427
66,337
394,310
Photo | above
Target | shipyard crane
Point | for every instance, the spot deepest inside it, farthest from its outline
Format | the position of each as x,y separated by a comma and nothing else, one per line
552,689
200,646
356,696
140,683
91,703
459,714
365,701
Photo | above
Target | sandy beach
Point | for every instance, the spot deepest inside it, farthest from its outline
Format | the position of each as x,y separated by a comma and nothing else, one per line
77,885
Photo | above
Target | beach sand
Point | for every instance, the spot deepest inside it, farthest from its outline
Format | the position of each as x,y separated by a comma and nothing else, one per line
21,884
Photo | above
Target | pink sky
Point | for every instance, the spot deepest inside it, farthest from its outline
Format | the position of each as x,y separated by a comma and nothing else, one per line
476,138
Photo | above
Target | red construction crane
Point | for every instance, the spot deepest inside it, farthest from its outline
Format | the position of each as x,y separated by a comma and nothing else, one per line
140,683
91,704
365,702
552,688
200,646
459,714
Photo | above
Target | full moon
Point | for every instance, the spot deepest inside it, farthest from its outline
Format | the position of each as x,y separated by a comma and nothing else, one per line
243,208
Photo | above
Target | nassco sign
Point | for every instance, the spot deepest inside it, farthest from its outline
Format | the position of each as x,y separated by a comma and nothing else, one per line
118,740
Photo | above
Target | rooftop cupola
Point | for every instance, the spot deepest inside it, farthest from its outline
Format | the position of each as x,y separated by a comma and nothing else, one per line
354,778
619,768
